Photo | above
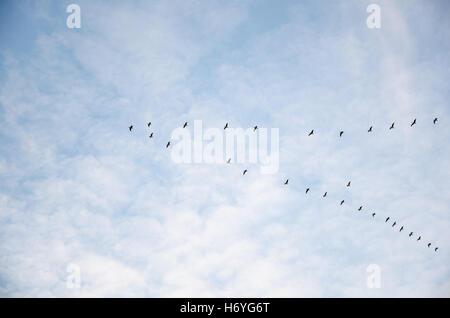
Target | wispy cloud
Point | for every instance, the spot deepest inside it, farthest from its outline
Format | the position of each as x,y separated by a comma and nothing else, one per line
78,188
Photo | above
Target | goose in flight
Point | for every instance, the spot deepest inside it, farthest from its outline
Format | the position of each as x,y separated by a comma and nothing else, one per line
419,238
245,171
226,126
436,249
130,128
342,202
254,128
287,180
341,133
149,124
325,194
435,120
229,160
414,122
307,190
373,214
393,224
392,126
185,124
311,133
401,229
429,244
410,234
387,219
151,135
360,208
168,144
370,129
348,184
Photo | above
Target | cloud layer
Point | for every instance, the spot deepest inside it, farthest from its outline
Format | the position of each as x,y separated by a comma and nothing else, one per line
78,188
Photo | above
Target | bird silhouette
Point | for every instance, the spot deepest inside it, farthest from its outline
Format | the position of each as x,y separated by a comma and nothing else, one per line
287,180
370,129
414,122
419,238
168,144
373,214
387,219
341,133
435,120
311,133
226,126
254,128
393,224
342,202
185,124
401,229
151,135
392,126
410,234
229,160
348,184
149,124
360,208
130,128
436,249
307,190
325,194
429,244
245,171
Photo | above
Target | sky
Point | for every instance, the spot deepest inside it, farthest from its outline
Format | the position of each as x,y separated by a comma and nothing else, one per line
77,188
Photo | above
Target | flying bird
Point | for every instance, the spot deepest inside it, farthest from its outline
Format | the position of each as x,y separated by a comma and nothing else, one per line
419,238
168,144
429,244
325,194
348,184
151,135
229,160
393,224
226,126
341,133
307,190
401,229
342,202
387,219
360,208
287,180
414,122
435,120
311,133
392,126
185,124
254,128
149,124
410,234
436,249
373,214
130,128
370,129
245,171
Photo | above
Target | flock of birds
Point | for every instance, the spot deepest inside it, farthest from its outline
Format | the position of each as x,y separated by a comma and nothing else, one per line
419,238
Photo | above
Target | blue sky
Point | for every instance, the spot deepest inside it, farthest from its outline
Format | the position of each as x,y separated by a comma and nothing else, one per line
77,188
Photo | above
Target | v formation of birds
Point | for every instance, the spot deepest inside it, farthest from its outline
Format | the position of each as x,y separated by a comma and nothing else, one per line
419,238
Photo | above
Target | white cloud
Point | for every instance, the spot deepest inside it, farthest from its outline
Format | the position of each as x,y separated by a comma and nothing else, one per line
78,187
